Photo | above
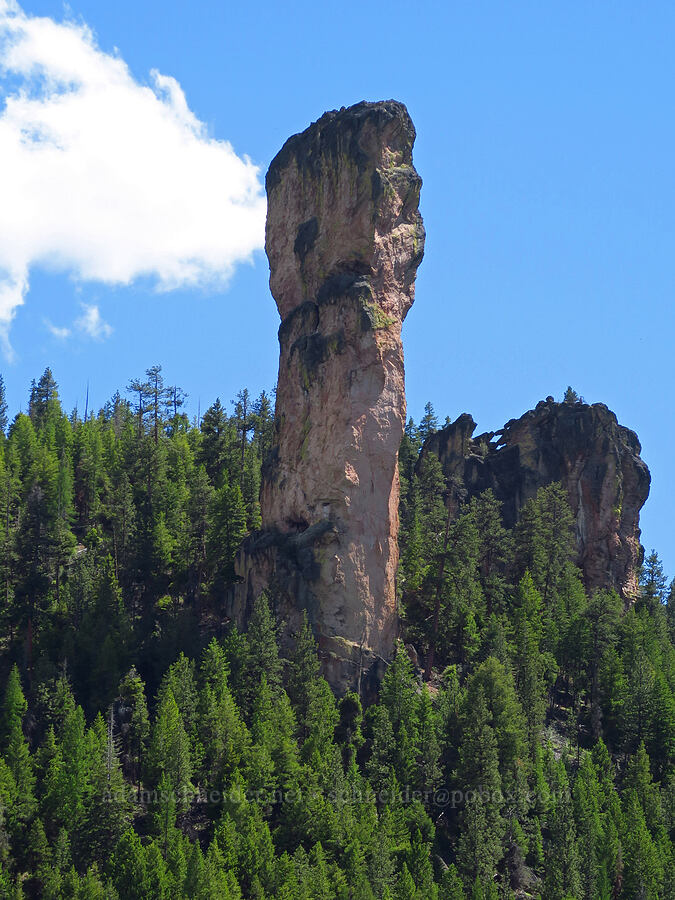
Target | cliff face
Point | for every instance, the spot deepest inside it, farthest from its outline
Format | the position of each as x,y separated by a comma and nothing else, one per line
344,239
596,459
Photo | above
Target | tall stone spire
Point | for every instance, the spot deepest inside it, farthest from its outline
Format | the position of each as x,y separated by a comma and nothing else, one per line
344,238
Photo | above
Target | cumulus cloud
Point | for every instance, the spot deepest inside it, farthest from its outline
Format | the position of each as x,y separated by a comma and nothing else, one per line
106,178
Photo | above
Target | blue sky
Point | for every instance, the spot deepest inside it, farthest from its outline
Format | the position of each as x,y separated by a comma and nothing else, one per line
546,142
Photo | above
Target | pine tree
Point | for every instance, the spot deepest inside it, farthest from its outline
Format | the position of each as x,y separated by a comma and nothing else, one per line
638,778
164,814
180,679
480,842
405,886
215,439
303,671
16,751
534,670
348,730
602,613
263,424
263,658
319,726
273,728
451,887
39,857
418,862
227,528
505,717
494,543
428,423
3,408
670,610
399,697
544,539
14,707
382,866
586,799
44,400
169,752
428,767
199,510
244,422
75,749
134,724
638,711
128,868
224,735
380,764
662,729
156,869
107,811
562,877
412,563
652,583
642,874
105,637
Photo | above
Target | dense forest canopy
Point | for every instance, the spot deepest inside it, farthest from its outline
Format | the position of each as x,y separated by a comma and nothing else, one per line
521,744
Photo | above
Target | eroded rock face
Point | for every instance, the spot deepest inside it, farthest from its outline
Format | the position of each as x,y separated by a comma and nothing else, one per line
344,239
596,459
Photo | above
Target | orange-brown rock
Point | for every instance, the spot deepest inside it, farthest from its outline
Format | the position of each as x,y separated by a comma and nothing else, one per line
583,447
344,238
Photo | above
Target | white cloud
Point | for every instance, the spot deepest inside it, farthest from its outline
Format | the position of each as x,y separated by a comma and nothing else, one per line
91,323
108,179
57,331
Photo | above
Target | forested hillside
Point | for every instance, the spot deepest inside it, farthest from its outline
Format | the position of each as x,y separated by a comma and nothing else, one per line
521,745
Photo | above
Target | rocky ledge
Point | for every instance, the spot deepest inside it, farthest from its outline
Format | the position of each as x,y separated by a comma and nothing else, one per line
580,445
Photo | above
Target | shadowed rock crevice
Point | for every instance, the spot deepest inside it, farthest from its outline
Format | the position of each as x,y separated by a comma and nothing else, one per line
344,238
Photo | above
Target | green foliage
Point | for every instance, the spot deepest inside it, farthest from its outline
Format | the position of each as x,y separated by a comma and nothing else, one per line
150,749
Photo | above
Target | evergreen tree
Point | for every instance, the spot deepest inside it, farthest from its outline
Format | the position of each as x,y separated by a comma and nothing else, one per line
491,687
303,671
602,614
429,751
405,886
480,842
16,751
544,539
169,752
652,582
534,671
128,868
134,724
3,407
642,873
379,766
428,423
562,878
263,656
419,865
227,528
107,812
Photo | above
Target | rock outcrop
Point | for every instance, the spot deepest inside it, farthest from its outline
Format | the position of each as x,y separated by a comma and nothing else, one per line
344,238
583,447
